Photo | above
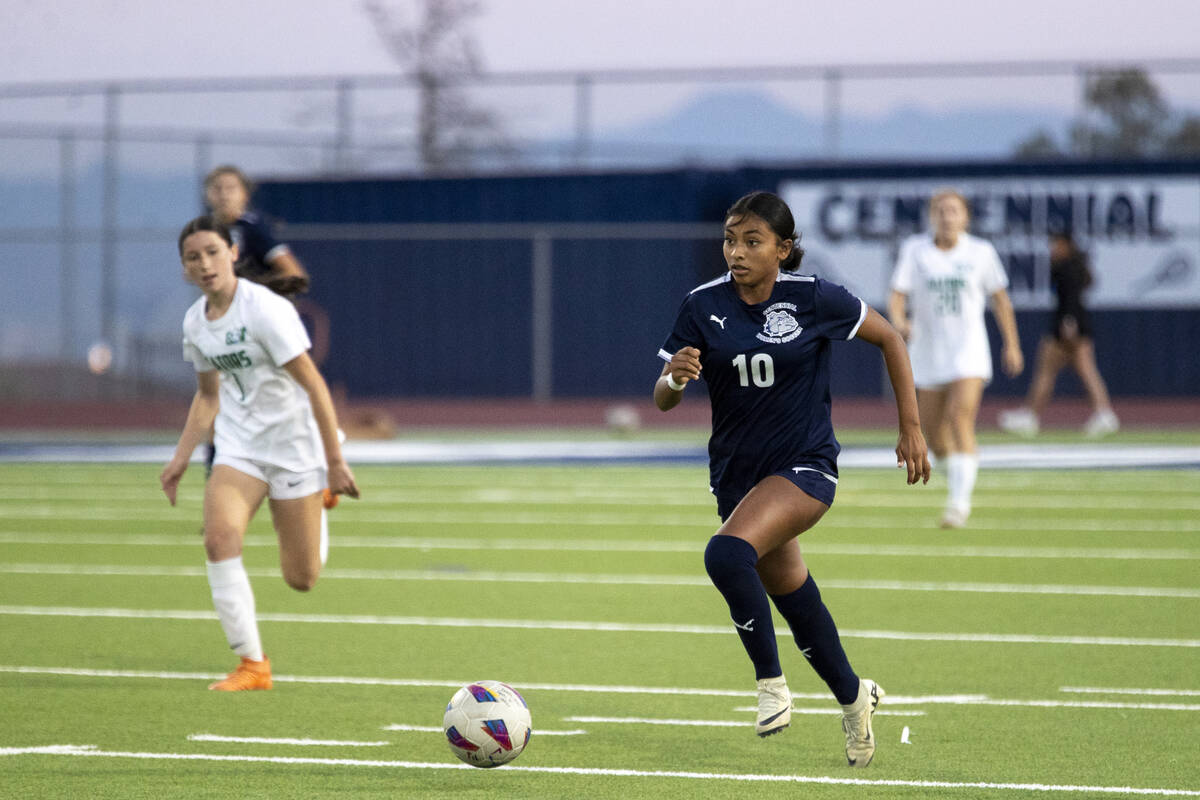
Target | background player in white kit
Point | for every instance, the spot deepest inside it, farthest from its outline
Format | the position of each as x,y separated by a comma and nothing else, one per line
946,280
276,436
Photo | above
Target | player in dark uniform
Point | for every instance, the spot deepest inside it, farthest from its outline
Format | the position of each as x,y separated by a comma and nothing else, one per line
760,336
1069,341
261,257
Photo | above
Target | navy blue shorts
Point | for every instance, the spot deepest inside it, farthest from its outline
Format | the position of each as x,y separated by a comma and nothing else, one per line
813,482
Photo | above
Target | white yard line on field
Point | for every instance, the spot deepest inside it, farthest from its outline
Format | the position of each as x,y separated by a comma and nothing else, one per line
620,546
11,502
1020,456
91,751
438,729
832,710
588,626
473,576
637,509
676,691
701,526
1146,692
212,737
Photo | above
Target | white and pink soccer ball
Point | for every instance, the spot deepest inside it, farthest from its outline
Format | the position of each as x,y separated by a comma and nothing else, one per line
487,723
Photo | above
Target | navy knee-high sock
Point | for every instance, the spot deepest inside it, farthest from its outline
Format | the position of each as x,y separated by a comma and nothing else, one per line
730,563
817,637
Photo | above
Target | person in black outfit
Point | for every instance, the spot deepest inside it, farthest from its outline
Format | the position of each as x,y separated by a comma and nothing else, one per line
261,257
1069,341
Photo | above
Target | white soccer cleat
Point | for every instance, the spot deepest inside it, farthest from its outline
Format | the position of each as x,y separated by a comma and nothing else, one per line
1101,423
856,723
1020,421
774,706
954,518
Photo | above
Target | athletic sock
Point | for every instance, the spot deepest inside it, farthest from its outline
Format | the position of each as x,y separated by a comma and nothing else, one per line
234,601
324,545
961,471
730,563
817,637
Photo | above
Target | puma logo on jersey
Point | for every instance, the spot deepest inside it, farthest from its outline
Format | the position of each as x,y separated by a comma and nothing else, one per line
719,320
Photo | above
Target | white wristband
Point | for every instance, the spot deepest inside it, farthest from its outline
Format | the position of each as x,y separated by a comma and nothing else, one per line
678,387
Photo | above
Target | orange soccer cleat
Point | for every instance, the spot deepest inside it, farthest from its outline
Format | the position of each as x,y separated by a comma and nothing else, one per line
248,675
328,498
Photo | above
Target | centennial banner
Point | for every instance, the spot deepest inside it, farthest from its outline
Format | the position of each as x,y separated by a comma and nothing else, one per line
1143,232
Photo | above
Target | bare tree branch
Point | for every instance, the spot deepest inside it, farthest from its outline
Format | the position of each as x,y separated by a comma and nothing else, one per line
439,52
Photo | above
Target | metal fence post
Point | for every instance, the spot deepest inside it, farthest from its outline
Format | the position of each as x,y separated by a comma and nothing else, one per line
833,113
542,346
202,163
68,260
109,216
583,118
345,125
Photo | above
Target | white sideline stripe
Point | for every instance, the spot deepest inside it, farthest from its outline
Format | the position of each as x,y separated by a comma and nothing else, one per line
1146,692
94,752
694,723
212,737
522,498
471,576
829,711
706,522
437,729
628,477
623,546
722,723
959,699
690,493
995,456
362,681
577,625
1092,704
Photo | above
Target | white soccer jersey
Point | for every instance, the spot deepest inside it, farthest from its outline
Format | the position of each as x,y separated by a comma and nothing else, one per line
264,415
947,293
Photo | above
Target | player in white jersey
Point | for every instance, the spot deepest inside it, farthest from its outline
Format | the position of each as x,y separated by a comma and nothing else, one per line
945,281
276,436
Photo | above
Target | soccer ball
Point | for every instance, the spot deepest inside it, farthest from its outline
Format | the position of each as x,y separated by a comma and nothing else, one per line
487,723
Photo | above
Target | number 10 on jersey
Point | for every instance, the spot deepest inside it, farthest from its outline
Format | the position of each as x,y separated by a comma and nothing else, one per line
761,370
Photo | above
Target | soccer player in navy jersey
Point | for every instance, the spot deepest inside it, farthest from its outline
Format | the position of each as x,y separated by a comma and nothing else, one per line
261,257
760,336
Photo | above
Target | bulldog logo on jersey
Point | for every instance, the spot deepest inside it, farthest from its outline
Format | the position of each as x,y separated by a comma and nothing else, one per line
780,326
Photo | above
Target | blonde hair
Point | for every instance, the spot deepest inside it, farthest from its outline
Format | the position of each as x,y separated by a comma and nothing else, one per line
942,194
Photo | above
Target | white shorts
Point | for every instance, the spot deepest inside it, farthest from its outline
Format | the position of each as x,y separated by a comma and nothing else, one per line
282,484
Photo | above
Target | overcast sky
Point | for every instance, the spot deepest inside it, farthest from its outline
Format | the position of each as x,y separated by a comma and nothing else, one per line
99,39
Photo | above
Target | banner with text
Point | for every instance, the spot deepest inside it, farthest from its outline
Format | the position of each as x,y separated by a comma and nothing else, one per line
1142,233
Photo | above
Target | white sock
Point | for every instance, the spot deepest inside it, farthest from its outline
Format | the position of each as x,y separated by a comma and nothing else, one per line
961,472
324,548
234,600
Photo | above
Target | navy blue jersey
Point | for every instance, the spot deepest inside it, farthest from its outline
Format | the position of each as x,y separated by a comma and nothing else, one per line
767,371
256,244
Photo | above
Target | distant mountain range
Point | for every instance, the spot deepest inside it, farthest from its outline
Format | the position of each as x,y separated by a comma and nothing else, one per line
737,126
718,128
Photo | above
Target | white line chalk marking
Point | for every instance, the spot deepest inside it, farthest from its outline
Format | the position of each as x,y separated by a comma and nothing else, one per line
91,751
473,576
578,625
212,737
